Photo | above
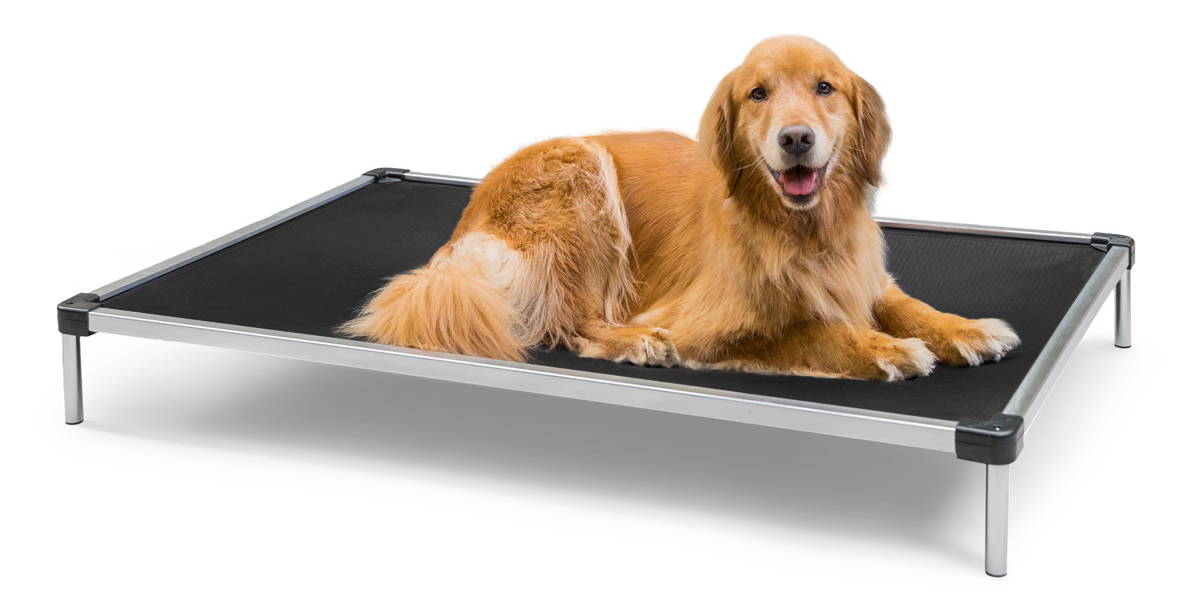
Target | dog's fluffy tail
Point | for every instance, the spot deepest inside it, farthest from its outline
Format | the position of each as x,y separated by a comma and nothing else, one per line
446,307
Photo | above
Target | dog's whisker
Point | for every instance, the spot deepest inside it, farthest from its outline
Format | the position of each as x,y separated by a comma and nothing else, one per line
759,157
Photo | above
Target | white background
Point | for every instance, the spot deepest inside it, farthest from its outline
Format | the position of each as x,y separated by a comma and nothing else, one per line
133,131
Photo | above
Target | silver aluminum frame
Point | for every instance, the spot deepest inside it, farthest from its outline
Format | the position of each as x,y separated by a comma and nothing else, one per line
995,541
72,379
1111,272
912,431
153,272
975,229
1124,310
897,429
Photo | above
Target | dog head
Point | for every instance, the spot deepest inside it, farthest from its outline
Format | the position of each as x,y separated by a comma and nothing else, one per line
790,120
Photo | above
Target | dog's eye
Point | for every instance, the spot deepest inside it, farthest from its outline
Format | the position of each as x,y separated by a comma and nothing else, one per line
758,94
824,89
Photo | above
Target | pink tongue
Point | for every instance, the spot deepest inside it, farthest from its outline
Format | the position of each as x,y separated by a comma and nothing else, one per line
799,181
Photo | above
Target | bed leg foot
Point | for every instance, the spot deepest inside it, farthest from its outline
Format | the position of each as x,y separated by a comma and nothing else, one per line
1124,310
72,379
997,507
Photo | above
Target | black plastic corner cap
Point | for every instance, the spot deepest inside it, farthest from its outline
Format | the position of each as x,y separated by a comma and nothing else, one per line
995,441
73,312
386,174
1104,241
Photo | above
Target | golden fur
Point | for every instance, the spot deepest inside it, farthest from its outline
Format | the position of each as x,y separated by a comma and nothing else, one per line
658,249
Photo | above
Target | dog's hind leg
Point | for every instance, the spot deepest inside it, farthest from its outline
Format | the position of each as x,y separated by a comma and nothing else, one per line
558,204
540,256
584,263
640,344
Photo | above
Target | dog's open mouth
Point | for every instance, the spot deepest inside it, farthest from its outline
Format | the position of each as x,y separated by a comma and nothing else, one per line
799,183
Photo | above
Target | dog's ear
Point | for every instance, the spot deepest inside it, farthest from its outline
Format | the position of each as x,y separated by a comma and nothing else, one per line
874,133
716,131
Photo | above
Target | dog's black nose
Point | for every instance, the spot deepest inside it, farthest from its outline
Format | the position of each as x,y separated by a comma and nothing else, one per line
796,139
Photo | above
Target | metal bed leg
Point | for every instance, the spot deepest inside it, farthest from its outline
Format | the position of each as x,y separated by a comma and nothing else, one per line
1124,310
72,379
997,504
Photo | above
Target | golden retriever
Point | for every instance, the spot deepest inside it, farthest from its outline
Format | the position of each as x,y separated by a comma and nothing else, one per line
750,249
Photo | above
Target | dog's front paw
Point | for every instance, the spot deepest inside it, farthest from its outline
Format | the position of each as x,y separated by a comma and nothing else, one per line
900,359
977,341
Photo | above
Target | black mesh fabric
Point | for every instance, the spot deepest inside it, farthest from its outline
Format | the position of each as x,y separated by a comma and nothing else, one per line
309,274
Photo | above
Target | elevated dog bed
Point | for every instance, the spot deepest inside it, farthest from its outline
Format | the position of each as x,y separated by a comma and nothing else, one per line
281,286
